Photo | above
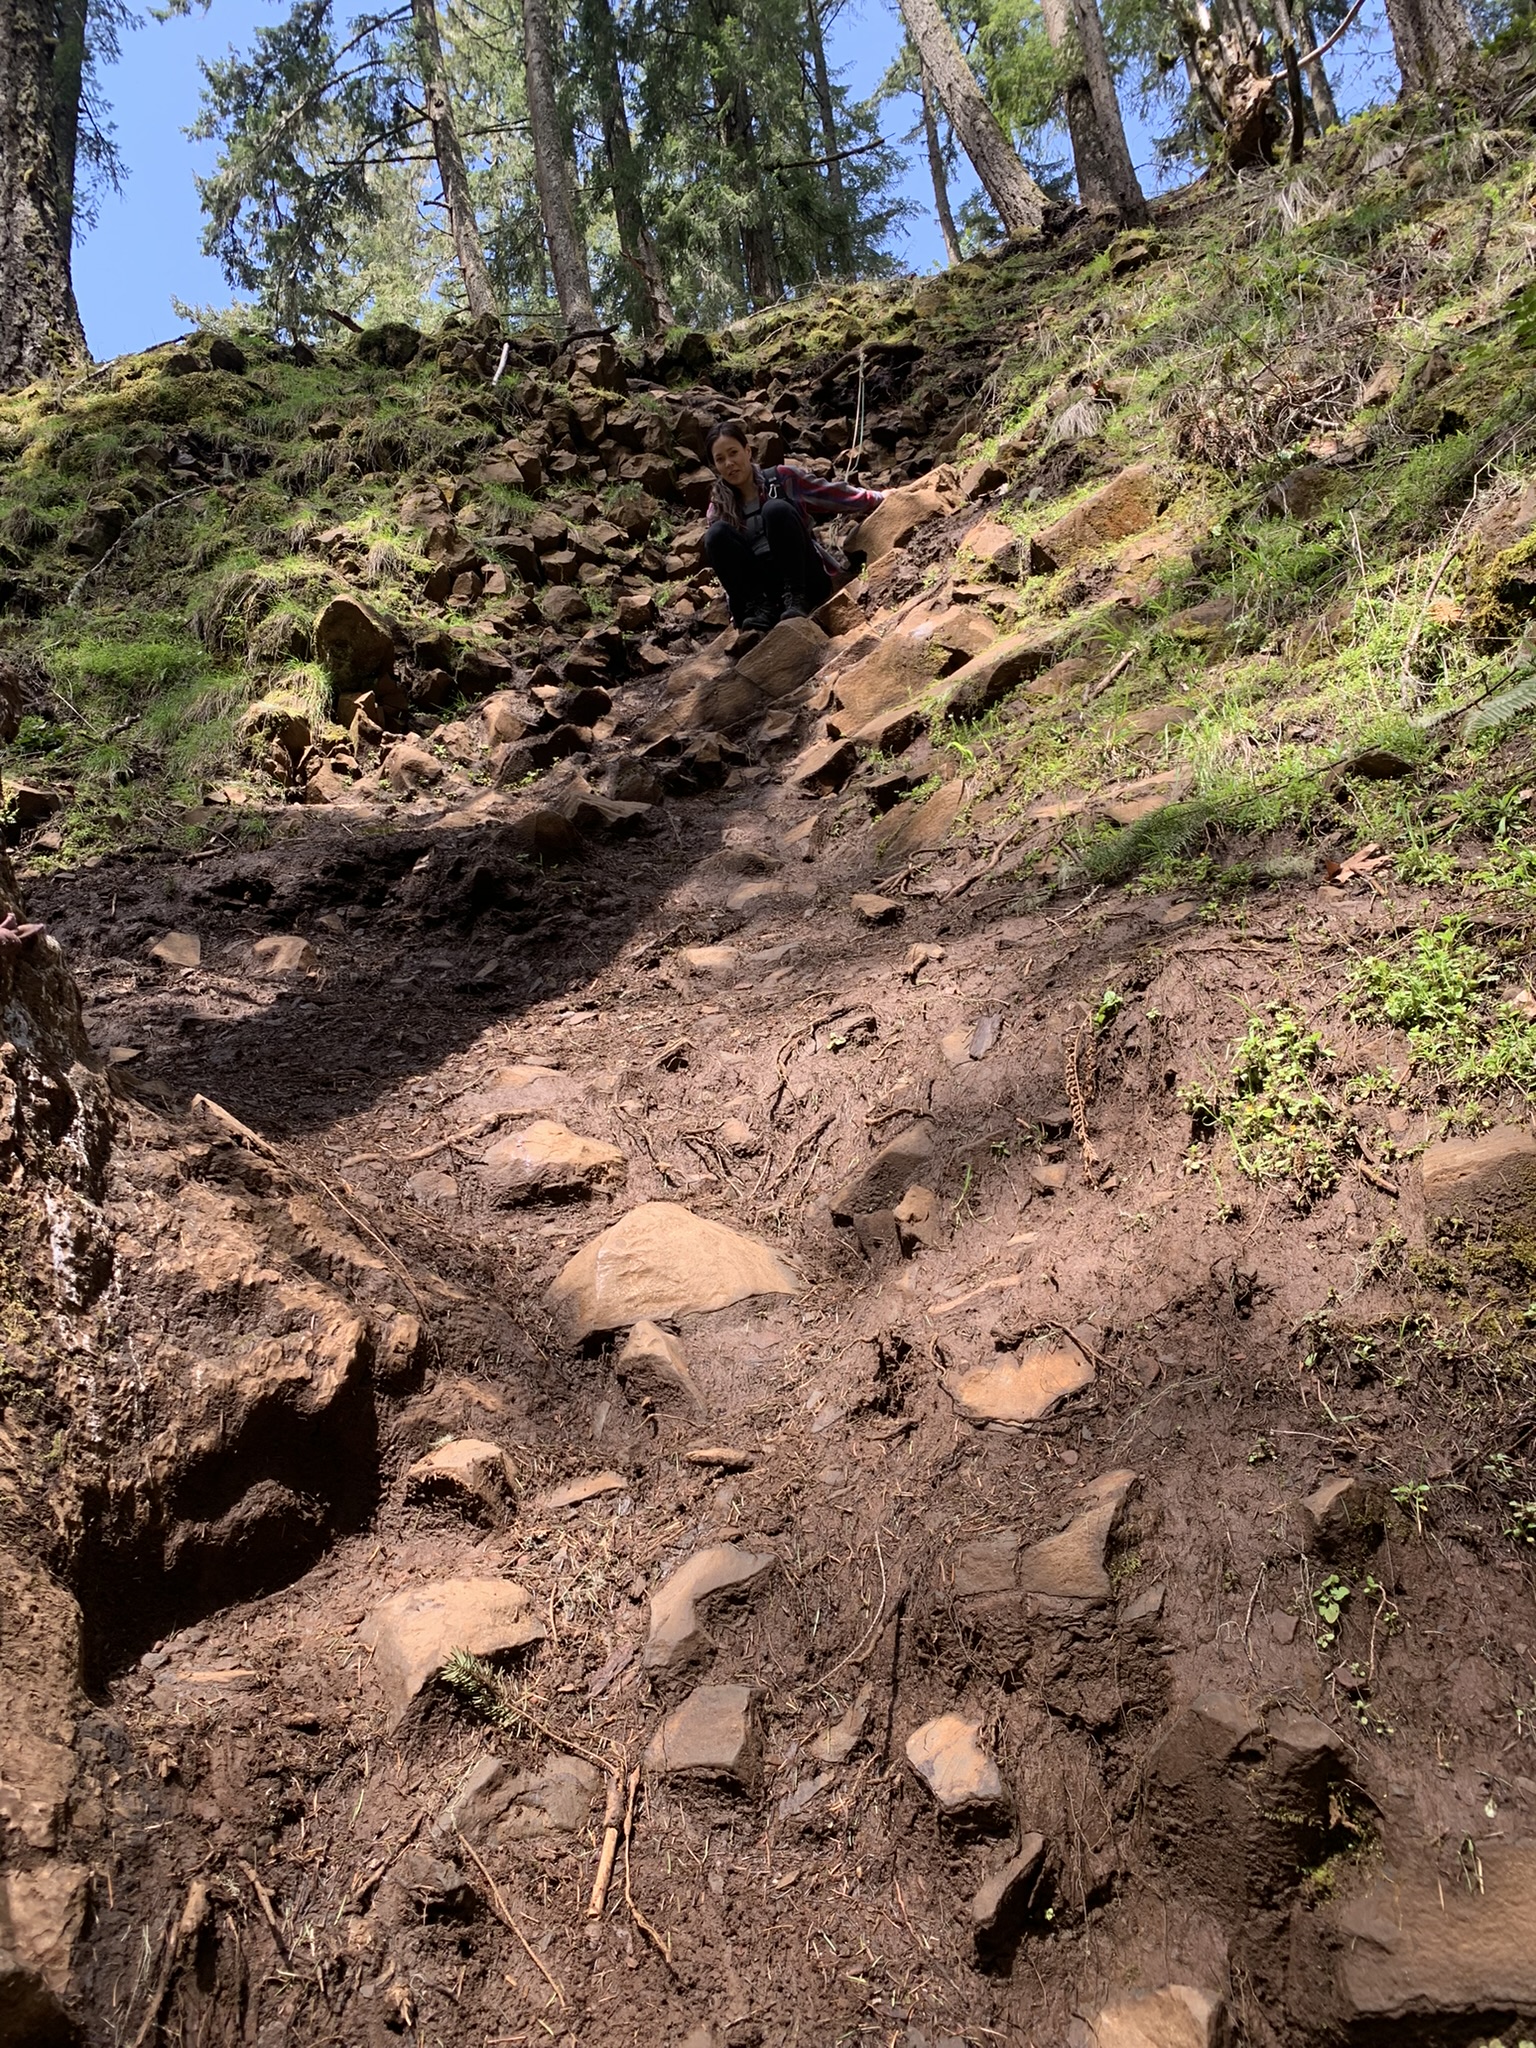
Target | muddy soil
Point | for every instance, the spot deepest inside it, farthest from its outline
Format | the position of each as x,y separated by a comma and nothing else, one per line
1155,1727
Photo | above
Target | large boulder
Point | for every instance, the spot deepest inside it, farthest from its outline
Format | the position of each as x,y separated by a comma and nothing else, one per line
354,643
893,522
663,1261
1127,504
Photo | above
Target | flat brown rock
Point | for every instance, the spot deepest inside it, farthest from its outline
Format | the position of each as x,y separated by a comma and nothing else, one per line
785,658
923,827
1127,504
285,954
521,1091
676,1642
966,1785
989,676
1071,1566
575,1491
878,909
1016,1390
469,1472
663,1261
178,949
899,669
893,523
1174,2016
885,1177
714,1734
546,1161
1492,1177
1418,1950
414,1632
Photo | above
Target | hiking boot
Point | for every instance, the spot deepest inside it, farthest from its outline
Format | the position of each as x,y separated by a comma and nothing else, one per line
762,618
794,605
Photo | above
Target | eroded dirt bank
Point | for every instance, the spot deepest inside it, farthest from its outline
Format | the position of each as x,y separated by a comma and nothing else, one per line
722,1288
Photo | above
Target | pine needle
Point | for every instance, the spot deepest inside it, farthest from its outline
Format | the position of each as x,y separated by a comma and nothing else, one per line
487,1693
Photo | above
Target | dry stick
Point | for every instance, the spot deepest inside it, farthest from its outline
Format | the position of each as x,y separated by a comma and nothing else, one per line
463,1137
499,1906
1109,677
636,1915
132,527
194,1916
1323,48
613,1816
231,1125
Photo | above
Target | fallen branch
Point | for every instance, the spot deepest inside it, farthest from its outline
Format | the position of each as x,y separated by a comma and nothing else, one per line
499,1907
613,1817
132,527
636,1915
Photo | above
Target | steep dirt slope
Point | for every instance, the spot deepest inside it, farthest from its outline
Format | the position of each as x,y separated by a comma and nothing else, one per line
825,1340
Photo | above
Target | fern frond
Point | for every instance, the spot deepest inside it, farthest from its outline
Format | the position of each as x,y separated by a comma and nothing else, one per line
1497,712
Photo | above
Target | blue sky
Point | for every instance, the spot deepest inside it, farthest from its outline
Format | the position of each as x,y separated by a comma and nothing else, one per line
146,248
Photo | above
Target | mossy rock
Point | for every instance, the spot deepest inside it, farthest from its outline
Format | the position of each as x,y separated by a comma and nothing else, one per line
391,345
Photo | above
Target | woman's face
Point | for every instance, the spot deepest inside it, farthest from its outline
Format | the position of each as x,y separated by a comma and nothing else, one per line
733,465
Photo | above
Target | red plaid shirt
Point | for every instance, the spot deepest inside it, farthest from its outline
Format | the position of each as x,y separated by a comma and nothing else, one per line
813,497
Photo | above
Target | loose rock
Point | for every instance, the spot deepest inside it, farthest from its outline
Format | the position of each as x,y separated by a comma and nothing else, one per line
966,1785
999,1907
178,949
285,955
546,1162
1177,2016
472,1474
662,1260
653,1371
677,1643
414,1632
713,1734
1017,1390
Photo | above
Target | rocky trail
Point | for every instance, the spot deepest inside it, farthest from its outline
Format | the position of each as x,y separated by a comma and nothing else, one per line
663,1421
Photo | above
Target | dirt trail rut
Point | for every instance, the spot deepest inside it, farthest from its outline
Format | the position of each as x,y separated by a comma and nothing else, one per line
672,1452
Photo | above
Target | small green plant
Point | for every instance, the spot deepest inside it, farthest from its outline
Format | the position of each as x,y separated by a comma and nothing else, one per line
1329,1598
1280,1124
1444,994
1521,1526
1110,1005
1413,1498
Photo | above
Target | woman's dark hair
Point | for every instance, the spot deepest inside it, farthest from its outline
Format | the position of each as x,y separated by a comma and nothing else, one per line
724,430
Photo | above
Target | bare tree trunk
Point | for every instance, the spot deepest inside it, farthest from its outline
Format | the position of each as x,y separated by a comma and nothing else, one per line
759,251
1106,177
636,244
1019,200
1324,105
826,106
1432,38
446,147
567,250
40,331
936,171
68,78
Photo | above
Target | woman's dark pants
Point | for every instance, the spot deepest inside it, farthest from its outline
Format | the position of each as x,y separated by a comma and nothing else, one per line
791,565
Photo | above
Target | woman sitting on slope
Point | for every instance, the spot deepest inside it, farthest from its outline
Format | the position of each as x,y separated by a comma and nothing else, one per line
760,541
